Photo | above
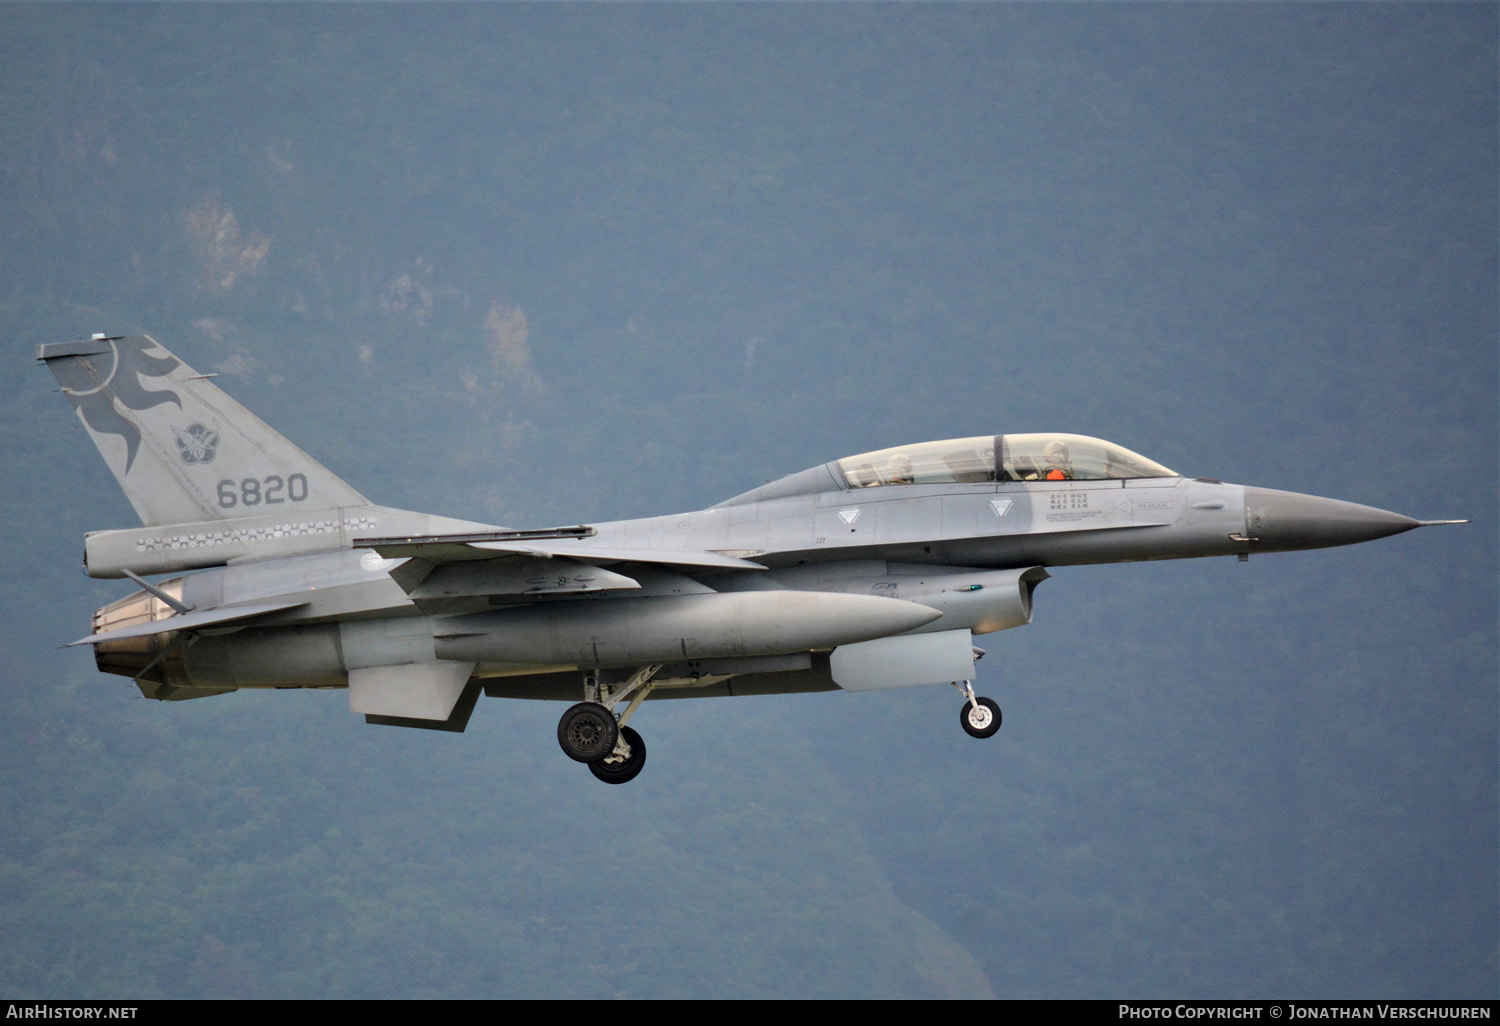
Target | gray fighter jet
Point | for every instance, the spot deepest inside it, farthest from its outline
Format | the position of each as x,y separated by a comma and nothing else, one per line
869,572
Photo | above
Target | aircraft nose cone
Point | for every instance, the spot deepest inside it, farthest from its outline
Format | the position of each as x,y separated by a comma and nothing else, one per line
1281,521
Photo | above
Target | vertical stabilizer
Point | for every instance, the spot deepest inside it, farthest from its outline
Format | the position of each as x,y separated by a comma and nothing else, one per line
182,450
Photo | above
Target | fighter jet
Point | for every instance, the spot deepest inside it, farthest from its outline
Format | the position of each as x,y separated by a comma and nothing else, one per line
868,572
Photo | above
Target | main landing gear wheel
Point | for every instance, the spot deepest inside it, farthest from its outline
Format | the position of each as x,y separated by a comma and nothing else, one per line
587,732
613,771
981,718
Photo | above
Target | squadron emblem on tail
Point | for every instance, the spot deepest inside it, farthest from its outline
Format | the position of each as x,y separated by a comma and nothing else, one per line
197,444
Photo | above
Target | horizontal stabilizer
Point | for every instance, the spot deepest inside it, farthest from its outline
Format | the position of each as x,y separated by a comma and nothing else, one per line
220,617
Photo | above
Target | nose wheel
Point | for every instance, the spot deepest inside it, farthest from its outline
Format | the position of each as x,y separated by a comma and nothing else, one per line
980,717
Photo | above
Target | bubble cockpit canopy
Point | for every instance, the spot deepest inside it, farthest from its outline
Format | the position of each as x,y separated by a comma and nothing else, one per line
994,458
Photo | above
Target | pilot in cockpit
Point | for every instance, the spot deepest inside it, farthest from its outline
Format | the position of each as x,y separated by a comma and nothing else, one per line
898,470
1057,461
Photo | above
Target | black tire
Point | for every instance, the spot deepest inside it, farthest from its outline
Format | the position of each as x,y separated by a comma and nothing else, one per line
980,722
587,732
619,773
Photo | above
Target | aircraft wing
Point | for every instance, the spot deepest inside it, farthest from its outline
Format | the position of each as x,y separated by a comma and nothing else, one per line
568,543
222,616
447,573
601,554
503,576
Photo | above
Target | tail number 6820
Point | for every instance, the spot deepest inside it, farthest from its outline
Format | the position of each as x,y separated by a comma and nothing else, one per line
253,491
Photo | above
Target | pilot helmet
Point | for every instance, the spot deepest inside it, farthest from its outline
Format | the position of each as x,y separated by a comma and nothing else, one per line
1056,452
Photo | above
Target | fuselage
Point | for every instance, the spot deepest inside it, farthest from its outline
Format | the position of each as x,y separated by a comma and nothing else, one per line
936,538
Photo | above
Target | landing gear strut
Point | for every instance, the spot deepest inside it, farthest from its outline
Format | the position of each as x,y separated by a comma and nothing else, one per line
980,716
589,732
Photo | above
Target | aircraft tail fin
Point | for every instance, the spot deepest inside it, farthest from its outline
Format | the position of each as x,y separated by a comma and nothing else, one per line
182,450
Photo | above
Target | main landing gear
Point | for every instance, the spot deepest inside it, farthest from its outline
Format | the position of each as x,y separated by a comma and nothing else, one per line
979,716
616,768
590,733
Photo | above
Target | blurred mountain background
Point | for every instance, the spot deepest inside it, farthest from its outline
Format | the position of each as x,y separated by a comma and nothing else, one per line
552,264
